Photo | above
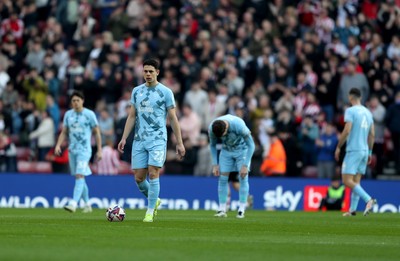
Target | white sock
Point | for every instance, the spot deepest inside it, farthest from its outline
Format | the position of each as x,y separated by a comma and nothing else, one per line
242,206
73,203
150,211
222,207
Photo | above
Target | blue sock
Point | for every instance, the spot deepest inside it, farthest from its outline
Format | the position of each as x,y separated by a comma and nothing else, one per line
144,187
154,192
78,189
354,201
362,193
222,191
244,189
85,194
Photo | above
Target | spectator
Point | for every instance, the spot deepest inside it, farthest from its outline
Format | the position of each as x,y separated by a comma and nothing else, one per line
190,124
352,79
36,89
109,163
203,165
274,163
334,197
59,163
378,115
35,57
392,121
326,145
197,98
44,135
8,154
9,95
308,135
106,125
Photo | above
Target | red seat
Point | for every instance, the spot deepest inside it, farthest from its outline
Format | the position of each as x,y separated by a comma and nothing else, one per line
42,167
23,153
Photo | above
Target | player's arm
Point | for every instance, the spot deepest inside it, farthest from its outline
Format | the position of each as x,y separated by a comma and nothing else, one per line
61,138
250,150
130,122
371,140
342,139
180,149
213,148
97,135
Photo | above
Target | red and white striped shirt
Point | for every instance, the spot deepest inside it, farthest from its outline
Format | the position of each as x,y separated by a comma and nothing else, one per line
108,165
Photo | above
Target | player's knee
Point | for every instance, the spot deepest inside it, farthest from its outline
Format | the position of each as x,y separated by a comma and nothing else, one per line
79,176
139,178
153,174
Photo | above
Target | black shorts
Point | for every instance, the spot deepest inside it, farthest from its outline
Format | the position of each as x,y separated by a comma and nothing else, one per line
233,176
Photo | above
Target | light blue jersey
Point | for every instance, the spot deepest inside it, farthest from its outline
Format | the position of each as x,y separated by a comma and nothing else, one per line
361,119
152,105
80,125
237,145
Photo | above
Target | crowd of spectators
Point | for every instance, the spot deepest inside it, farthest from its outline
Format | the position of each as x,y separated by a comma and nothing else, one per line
284,66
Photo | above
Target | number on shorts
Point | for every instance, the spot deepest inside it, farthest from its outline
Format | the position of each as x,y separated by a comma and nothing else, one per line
158,155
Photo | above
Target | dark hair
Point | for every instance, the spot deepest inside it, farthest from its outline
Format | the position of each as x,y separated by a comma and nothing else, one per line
218,128
355,92
152,62
78,94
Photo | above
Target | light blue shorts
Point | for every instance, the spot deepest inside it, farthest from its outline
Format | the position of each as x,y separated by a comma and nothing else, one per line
79,164
355,162
145,153
230,161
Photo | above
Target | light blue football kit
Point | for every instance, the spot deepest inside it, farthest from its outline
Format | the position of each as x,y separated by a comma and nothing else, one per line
237,151
356,158
80,125
150,137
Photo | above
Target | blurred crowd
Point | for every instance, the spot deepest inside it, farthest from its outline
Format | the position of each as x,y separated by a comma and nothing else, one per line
284,66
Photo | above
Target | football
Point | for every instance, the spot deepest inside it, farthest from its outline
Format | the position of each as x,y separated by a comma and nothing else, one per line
115,214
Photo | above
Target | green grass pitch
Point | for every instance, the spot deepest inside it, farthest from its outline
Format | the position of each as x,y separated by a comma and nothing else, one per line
53,234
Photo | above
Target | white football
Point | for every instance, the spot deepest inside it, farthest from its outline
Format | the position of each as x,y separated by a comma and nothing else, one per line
115,214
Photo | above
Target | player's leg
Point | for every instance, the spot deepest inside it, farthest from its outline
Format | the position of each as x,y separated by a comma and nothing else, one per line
363,194
141,181
156,159
243,195
226,165
243,187
353,164
223,188
83,170
154,188
349,171
78,168
233,179
139,161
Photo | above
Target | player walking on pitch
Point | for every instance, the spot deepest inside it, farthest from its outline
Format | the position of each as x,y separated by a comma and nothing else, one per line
359,133
151,103
237,150
79,123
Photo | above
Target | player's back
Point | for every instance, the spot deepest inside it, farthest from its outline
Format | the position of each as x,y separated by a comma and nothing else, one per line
362,121
237,129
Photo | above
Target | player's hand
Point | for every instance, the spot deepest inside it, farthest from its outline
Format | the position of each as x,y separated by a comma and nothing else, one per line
180,151
337,153
369,159
216,170
57,150
243,172
121,146
99,155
